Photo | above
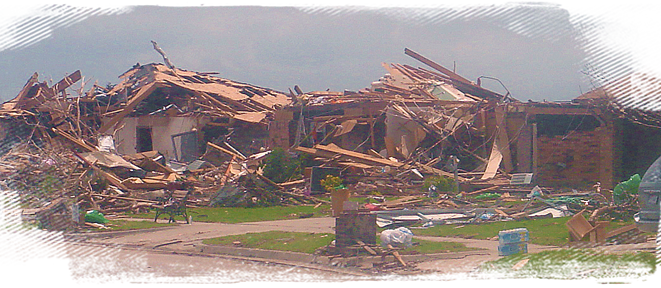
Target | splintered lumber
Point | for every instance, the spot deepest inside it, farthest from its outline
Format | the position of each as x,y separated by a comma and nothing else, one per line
397,256
125,198
226,175
234,149
332,152
434,65
290,183
96,225
375,154
494,162
436,171
482,190
66,82
501,213
137,183
623,233
367,248
356,165
402,201
268,181
76,141
231,153
145,161
359,157
520,264
111,177
502,138
447,201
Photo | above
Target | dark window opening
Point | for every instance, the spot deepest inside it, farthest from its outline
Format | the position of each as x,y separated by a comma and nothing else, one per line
143,139
554,125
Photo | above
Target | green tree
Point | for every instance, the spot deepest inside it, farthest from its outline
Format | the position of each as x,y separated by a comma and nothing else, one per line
280,167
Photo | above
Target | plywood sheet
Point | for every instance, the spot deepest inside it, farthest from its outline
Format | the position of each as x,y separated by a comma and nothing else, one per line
347,126
252,117
494,162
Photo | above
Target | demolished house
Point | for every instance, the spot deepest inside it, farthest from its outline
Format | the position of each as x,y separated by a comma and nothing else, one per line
148,133
416,123
163,129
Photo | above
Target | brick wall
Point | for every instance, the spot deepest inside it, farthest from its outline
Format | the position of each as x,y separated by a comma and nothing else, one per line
573,160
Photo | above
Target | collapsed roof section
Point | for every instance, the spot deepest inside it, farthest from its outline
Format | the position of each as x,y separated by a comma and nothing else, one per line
635,91
36,95
407,84
152,88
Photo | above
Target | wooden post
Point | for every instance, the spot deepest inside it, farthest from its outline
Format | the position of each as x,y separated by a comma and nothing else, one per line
534,150
372,120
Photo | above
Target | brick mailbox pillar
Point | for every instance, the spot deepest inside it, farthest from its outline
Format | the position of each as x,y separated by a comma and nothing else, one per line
350,227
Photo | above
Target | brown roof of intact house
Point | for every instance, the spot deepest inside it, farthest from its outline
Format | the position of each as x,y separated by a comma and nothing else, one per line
645,83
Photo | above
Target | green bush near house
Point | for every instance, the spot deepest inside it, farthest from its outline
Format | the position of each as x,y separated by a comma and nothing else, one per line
280,167
442,183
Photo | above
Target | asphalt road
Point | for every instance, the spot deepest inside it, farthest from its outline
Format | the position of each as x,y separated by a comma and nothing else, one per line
48,264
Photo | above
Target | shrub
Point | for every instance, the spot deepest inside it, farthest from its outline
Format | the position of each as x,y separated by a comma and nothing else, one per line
331,183
280,167
442,183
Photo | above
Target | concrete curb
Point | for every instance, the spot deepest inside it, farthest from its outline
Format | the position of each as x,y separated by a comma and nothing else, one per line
360,261
77,237
472,278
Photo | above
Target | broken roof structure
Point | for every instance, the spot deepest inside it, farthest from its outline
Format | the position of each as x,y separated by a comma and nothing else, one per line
642,84
154,103
197,93
411,118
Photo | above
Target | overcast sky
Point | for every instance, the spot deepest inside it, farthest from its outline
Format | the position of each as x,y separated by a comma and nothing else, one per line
538,51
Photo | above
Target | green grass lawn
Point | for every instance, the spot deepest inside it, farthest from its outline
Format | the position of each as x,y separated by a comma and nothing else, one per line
239,214
546,231
123,225
309,242
574,264
276,240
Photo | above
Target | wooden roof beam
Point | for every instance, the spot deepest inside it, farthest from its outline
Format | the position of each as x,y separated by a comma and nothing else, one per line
142,94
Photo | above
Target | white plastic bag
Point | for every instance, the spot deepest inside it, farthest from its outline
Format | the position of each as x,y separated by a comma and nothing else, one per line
400,237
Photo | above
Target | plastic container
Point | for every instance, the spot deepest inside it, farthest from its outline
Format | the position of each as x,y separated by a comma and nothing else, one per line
649,192
512,248
513,236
